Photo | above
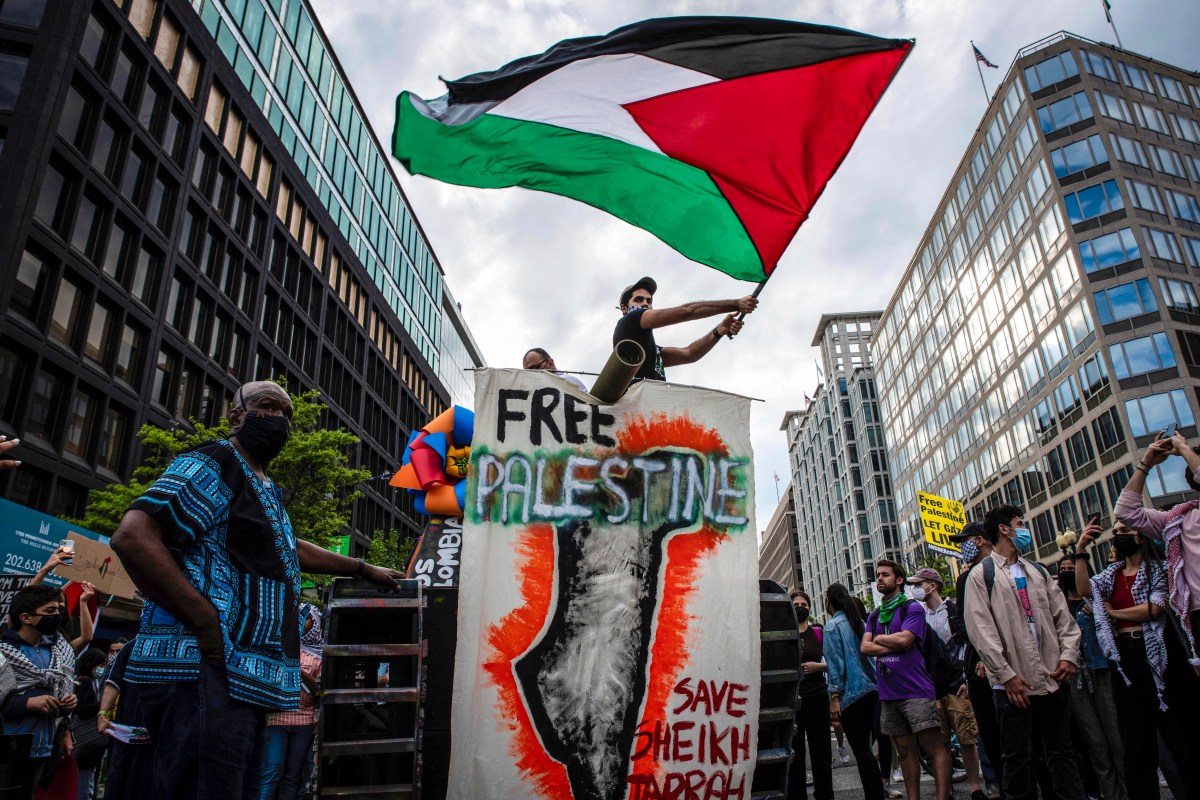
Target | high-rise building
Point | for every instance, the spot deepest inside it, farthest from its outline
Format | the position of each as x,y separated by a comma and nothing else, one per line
192,198
1046,328
845,515
777,550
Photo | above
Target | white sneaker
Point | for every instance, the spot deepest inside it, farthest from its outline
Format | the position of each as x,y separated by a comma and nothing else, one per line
897,776
843,754
1162,781
892,791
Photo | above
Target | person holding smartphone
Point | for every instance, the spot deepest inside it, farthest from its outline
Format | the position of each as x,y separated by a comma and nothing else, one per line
1172,654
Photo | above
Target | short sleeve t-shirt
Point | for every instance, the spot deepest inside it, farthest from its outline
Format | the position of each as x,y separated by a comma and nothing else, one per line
630,327
1022,582
902,676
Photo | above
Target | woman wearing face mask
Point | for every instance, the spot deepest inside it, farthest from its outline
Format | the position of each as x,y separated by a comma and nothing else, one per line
1179,532
852,690
1128,602
812,719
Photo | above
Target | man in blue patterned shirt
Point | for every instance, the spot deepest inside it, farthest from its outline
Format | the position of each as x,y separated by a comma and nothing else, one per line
211,547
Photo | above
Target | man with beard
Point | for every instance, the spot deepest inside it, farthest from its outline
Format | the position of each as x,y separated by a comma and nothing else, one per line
895,635
211,547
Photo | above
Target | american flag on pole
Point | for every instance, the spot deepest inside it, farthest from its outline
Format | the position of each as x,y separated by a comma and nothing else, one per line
981,58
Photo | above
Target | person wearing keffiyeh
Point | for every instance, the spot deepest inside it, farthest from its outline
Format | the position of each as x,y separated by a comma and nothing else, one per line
1179,532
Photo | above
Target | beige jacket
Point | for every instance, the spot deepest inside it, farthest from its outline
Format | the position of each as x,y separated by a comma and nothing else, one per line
1000,632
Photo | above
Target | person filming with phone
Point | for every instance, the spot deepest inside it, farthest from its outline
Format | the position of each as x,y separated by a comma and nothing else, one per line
1147,612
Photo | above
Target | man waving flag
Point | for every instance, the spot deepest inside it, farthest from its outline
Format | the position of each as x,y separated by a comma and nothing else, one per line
715,134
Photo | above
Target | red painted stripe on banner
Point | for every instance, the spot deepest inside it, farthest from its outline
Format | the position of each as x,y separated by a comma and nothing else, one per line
511,637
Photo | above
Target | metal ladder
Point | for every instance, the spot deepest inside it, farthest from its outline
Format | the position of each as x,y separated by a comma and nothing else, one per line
780,677
373,678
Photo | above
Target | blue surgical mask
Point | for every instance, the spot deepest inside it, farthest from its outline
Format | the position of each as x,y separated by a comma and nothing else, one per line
1023,540
969,551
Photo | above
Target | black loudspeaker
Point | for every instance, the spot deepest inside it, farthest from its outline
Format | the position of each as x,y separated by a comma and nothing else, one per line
441,640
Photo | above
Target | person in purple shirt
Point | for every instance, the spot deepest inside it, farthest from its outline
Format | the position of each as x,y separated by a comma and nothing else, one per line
894,636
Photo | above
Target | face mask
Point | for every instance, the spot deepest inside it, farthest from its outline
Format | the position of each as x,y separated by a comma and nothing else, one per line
801,614
263,437
918,593
1066,582
969,550
48,624
1125,544
1022,540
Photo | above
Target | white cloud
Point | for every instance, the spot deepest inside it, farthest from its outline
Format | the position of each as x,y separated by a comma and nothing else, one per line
538,270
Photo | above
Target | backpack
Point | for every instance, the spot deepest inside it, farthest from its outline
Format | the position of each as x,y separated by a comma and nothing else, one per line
945,671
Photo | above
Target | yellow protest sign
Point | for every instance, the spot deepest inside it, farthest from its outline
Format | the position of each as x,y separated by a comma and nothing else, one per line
941,519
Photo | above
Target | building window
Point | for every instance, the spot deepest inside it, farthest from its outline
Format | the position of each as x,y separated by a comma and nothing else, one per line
1108,431
1154,412
1124,301
1079,448
1093,375
1163,245
1091,502
1100,66
1051,71
81,411
1167,161
1054,347
1151,118
1093,201
64,319
1113,107
99,337
1025,139
1118,480
1145,196
1066,396
12,75
1051,226
128,363
1141,355
1078,322
87,231
1066,516
1039,182
1078,156
1067,111
45,405
1129,150
1180,295
1109,250
1186,128
1136,77
27,298
113,440
1056,465
1183,206
1171,89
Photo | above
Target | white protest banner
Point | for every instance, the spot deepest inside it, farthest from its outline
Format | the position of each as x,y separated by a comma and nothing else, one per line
608,634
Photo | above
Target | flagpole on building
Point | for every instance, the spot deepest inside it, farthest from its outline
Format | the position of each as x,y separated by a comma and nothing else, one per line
1111,24
987,98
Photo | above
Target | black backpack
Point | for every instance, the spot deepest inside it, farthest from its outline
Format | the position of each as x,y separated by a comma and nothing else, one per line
945,671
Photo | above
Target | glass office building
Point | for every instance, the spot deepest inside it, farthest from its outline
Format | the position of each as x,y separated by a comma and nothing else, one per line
192,199
1046,327
845,513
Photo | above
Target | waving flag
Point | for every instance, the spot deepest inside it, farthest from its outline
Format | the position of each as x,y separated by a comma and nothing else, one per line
981,58
715,134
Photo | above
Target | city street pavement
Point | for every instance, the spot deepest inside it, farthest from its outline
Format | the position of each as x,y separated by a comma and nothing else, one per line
846,785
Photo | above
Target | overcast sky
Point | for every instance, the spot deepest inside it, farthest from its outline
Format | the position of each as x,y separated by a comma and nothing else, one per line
533,269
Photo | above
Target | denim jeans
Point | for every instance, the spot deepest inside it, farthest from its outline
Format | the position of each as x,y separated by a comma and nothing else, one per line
201,740
285,749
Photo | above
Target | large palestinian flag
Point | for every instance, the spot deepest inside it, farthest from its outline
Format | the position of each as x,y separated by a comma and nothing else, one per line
716,134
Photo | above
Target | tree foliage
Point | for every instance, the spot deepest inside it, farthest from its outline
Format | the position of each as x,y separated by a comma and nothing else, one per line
390,549
313,472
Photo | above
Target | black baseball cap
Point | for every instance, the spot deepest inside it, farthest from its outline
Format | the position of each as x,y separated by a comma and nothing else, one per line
646,283
969,531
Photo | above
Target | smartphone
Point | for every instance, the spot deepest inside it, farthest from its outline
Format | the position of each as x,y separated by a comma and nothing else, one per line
1167,432
1093,520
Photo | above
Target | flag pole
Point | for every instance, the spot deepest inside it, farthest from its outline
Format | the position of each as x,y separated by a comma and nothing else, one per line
754,294
1111,24
987,98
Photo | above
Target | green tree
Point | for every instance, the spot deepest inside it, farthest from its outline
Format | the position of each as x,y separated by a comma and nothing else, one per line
390,549
313,472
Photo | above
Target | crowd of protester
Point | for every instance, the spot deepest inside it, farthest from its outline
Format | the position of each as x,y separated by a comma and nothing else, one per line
1033,680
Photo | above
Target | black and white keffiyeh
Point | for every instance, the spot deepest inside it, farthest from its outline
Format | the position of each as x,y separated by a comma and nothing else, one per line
1149,585
58,679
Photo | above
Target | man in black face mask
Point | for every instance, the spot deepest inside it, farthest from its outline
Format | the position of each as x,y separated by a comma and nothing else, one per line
43,677
211,547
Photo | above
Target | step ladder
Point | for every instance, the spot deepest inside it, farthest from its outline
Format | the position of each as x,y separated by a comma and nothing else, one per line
780,678
373,684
